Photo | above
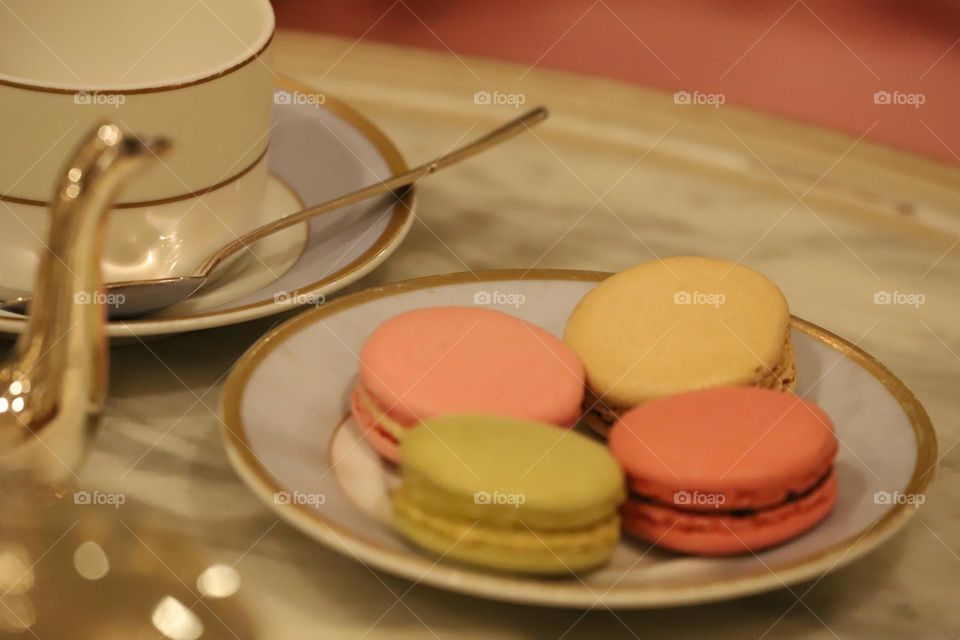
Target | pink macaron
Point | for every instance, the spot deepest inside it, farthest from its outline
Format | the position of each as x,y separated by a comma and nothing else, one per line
446,360
726,470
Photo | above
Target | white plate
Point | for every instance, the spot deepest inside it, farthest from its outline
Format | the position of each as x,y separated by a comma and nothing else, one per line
285,403
318,152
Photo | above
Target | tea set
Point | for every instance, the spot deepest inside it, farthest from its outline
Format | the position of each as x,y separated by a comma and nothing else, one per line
158,177
256,155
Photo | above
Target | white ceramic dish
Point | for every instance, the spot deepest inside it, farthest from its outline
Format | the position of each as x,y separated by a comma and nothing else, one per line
318,151
288,437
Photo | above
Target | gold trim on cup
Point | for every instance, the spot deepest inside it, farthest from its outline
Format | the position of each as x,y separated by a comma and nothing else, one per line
400,219
551,591
151,203
26,86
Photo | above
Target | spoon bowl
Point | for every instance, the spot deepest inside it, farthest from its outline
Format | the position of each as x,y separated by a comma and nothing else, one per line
133,298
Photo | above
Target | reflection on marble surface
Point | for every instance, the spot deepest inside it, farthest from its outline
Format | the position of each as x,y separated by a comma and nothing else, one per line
535,203
81,564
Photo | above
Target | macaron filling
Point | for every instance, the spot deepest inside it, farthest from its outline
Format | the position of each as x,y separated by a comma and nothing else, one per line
377,417
722,507
739,499
723,531
783,375
468,532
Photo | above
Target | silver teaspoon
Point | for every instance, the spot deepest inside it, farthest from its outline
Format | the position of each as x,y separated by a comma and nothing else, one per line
134,298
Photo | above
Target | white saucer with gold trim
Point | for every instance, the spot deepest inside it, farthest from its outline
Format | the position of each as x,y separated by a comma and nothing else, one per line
319,148
285,408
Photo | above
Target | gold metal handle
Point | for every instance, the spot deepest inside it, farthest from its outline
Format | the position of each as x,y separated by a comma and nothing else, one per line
53,387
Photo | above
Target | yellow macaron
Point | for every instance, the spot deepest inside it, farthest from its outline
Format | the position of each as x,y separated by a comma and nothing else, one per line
679,324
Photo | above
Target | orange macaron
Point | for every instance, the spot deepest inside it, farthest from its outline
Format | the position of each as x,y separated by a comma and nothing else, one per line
726,470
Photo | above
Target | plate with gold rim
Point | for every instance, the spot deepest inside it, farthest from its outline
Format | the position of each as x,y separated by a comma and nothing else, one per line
320,148
289,436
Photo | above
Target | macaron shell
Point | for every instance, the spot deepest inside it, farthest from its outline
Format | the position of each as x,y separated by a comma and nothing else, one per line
508,549
379,439
724,534
676,325
783,375
564,480
753,447
436,361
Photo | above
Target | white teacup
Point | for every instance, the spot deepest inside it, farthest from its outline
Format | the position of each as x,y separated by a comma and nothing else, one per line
195,72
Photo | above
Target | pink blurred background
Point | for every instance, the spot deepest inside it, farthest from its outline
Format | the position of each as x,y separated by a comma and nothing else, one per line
818,61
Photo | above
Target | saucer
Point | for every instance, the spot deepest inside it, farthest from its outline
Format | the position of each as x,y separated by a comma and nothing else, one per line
289,436
318,150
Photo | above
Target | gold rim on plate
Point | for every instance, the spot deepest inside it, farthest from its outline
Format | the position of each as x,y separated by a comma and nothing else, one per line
400,219
552,592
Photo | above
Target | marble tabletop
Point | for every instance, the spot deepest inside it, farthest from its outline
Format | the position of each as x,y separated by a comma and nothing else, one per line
617,176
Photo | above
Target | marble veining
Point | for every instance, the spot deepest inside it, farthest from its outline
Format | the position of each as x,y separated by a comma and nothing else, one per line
573,196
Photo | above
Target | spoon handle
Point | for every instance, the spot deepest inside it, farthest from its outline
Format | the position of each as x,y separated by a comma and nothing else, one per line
405,179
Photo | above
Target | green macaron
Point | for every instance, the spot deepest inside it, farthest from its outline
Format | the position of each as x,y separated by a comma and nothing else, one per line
509,494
